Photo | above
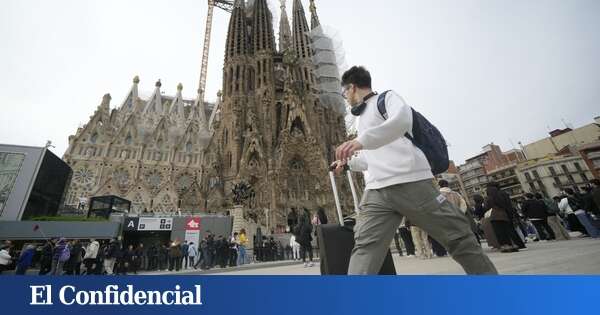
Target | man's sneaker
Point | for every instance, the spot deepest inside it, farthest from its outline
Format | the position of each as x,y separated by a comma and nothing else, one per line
305,264
310,264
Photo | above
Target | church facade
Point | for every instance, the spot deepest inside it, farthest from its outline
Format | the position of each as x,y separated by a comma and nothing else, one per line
269,129
148,151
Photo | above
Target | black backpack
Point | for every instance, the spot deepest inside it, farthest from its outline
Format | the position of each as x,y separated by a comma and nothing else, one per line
425,137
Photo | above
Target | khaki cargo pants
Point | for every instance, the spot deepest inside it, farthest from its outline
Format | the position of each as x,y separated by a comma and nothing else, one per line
382,210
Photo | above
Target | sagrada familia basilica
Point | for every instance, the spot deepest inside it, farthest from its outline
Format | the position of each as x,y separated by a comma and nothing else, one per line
270,129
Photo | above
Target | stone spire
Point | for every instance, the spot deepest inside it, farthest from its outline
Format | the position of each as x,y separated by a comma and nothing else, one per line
285,33
314,17
262,29
154,105
300,36
177,110
237,44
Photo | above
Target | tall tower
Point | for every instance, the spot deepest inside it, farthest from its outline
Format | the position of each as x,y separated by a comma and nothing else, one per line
272,131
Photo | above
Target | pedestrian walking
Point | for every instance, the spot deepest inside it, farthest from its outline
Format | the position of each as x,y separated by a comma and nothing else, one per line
399,181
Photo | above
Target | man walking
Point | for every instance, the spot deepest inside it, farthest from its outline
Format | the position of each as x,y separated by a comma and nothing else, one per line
399,183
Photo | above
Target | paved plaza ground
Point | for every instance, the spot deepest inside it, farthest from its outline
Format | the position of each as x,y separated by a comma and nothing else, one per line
577,256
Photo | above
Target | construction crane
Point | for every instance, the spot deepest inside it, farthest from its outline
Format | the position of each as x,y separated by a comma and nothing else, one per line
222,4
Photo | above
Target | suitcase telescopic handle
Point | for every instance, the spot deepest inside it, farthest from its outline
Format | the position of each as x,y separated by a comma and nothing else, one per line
353,190
337,198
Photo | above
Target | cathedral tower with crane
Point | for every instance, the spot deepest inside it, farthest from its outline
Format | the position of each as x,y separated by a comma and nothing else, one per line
271,130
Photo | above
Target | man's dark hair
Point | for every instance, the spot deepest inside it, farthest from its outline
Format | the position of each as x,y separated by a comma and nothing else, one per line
529,195
357,75
556,198
595,182
569,191
443,183
538,196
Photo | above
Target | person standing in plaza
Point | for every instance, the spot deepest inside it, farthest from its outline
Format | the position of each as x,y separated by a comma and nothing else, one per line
459,202
536,211
77,253
399,182
90,258
304,238
406,236
5,258
295,248
152,254
184,255
163,257
192,253
242,243
595,183
501,216
420,238
554,220
46,258
589,205
25,259
397,243
110,251
568,204
60,256
233,250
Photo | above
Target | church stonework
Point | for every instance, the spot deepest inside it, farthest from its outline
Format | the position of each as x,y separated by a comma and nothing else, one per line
146,151
269,129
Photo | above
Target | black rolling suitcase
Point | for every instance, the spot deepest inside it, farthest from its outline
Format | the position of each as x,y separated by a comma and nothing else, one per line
337,240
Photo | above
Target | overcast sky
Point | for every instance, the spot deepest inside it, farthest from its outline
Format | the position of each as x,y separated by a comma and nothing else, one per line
483,71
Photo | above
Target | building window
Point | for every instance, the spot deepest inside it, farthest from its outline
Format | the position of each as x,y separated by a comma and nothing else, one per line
583,177
527,176
552,171
577,166
535,174
557,181
571,180
565,169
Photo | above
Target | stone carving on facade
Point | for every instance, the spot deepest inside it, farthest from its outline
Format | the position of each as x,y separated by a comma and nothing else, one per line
269,131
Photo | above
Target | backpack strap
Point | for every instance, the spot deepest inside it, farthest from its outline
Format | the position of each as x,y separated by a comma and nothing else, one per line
381,105
383,111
